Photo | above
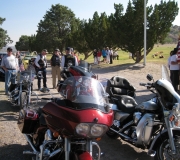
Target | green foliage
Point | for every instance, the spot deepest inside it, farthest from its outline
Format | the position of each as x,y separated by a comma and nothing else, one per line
23,44
60,28
54,31
131,27
4,38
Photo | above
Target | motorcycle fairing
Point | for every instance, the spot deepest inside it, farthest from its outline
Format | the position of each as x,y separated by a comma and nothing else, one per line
167,93
61,118
85,156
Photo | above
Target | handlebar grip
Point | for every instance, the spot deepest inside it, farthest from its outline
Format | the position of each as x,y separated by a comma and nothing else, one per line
142,84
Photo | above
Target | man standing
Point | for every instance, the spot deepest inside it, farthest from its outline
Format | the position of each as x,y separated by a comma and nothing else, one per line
174,70
104,54
10,65
111,56
41,65
56,70
68,59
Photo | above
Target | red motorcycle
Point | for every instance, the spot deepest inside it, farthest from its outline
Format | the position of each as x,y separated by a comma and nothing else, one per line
66,128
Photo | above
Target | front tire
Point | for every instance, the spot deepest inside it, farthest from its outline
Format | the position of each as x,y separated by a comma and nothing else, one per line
163,149
23,100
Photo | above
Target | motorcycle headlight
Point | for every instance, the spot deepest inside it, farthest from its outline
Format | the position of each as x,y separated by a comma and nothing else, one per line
82,129
97,130
91,130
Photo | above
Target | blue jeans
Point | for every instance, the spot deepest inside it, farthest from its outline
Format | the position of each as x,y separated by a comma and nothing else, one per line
10,75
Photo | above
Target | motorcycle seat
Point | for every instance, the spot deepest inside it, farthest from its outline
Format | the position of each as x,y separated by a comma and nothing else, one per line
126,103
119,86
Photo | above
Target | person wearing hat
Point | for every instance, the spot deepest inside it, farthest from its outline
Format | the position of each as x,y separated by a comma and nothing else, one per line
56,69
10,65
68,58
41,65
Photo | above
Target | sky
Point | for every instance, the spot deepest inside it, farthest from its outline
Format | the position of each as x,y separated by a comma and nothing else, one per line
23,16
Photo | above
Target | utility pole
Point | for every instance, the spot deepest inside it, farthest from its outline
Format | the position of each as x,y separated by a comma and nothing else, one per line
145,23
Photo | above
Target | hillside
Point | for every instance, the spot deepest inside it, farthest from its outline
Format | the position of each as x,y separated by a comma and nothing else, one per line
173,34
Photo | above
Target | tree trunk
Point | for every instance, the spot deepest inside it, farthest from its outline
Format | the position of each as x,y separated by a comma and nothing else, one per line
86,55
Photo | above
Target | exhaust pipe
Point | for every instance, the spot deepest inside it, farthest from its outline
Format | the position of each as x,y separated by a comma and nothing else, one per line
32,146
54,153
124,136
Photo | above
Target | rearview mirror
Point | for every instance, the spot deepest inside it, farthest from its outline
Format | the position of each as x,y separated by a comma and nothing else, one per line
149,77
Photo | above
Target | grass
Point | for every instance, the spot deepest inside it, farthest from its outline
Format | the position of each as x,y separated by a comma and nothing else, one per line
124,56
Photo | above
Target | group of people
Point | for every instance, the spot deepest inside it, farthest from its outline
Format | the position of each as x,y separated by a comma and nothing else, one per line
107,54
174,66
11,64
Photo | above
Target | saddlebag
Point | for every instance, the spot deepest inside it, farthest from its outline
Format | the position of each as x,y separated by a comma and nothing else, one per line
28,120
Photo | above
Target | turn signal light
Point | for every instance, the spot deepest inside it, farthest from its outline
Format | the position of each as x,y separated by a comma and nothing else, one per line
177,123
171,118
98,139
56,134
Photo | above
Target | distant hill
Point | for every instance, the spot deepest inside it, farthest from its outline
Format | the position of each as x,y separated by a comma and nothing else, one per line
4,49
173,35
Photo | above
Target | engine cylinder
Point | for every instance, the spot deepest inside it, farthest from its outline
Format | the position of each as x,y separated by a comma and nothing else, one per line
136,117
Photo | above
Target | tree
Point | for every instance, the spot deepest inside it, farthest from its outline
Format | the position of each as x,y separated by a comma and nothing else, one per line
130,28
4,38
23,43
78,39
55,29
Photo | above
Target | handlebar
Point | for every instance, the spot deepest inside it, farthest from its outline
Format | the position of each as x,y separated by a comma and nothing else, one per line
142,84
149,85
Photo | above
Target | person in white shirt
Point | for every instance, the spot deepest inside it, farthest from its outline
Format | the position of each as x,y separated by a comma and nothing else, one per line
174,69
169,62
10,65
108,55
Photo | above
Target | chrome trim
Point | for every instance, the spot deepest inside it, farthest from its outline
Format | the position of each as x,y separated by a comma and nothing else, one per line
99,150
170,134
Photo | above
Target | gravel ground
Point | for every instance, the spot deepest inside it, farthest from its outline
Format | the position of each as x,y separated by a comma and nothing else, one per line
12,142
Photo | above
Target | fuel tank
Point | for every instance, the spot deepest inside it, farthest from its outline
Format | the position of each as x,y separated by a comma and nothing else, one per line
64,119
150,105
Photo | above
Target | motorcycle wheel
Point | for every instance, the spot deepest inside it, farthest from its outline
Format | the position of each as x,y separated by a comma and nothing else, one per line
163,149
23,100
111,133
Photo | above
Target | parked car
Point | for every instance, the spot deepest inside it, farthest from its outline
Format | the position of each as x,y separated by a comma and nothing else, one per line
27,59
2,73
2,54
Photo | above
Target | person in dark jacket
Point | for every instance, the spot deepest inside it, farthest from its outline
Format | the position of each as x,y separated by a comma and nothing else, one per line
41,65
56,69
68,58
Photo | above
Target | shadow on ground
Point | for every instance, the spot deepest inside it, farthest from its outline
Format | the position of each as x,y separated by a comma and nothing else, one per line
120,150
14,152
107,68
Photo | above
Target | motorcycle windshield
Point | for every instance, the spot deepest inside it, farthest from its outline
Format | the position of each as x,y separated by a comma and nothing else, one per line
84,93
85,65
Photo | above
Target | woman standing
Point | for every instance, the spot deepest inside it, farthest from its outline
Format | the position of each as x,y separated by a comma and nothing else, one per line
99,56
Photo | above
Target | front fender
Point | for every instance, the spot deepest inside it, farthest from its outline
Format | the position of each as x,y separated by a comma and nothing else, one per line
159,138
85,156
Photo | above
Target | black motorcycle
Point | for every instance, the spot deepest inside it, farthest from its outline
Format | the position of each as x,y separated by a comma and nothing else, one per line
22,91
152,125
